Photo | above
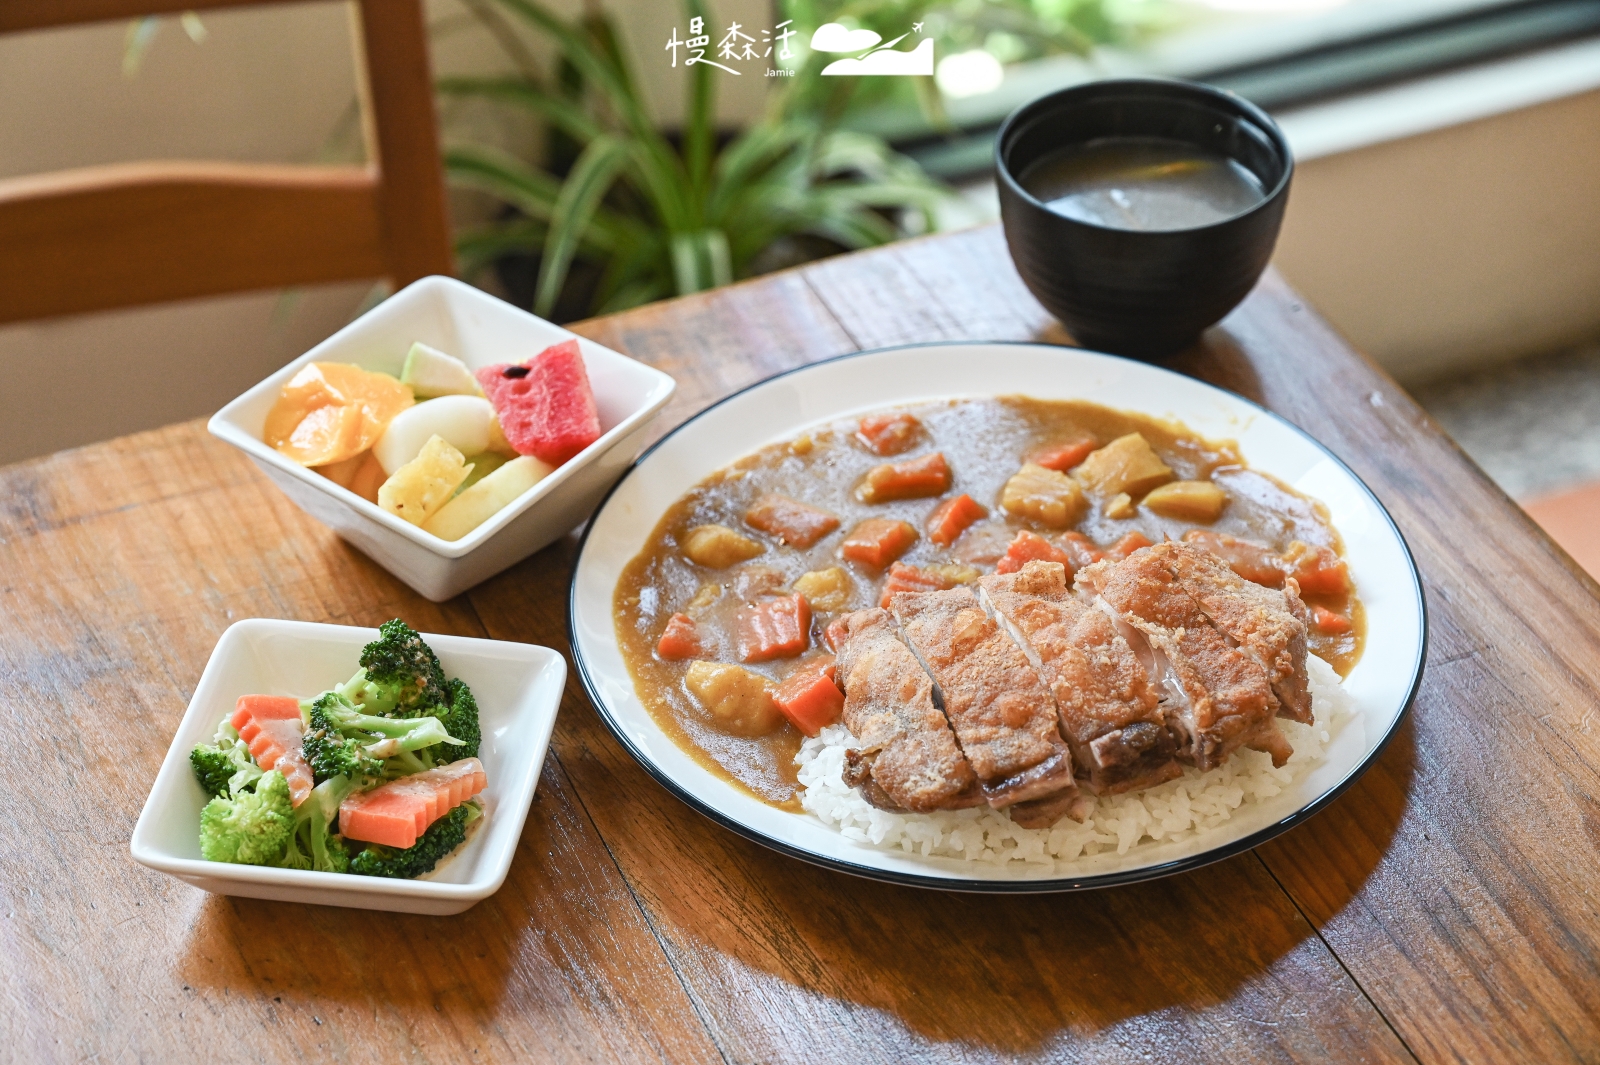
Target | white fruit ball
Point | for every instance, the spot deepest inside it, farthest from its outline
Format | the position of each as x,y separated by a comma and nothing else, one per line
463,421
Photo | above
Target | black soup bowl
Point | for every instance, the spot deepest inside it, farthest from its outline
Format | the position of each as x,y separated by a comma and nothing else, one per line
1141,292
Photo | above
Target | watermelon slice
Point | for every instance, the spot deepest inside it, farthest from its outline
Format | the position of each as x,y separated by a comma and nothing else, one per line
545,405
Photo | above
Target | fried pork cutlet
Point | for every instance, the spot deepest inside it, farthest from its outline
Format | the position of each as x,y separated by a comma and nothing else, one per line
907,758
1001,712
1108,708
1266,624
1217,699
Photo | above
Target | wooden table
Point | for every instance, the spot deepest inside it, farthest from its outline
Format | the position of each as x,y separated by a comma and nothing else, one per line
1446,909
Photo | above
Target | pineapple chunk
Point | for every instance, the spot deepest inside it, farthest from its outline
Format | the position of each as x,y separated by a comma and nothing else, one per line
418,489
1045,496
826,589
1127,464
1187,501
719,547
739,701
483,500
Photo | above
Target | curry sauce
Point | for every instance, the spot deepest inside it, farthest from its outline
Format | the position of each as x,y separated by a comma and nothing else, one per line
984,441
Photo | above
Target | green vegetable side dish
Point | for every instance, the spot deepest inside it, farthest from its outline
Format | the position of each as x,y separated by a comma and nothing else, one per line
385,758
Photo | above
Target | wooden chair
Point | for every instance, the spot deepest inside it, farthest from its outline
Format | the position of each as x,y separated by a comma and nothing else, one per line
133,233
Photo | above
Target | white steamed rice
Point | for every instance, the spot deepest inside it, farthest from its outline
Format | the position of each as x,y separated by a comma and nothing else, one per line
1189,807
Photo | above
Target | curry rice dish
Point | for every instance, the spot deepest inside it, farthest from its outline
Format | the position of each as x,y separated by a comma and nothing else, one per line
1032,603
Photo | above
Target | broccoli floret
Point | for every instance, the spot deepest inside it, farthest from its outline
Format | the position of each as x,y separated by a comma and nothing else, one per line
401,672
442,837
250,828
327,749
213,767
224,766
461,721
311,845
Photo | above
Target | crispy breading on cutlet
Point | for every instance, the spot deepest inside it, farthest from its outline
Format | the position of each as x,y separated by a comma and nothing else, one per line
907,757
1262,622
1001,712
1108,708
1218,699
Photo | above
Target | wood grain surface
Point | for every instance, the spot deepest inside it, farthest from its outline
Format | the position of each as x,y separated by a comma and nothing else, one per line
1442,910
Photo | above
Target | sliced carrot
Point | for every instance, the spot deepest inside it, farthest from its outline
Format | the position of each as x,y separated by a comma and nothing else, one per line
1254,562
1031,547
1318,570
796,524
396,813
680,639
1126,546
888,434
774,628
878,541
911,579
952,517
809,698
1329,621
1080,549
1063,457
271,727
912,479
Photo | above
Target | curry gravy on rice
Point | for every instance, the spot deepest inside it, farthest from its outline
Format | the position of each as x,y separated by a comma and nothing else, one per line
1047,478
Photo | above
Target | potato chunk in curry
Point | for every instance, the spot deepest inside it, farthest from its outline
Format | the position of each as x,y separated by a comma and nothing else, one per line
719,547
1187,501
739,701
826,589
1048,497
1127,464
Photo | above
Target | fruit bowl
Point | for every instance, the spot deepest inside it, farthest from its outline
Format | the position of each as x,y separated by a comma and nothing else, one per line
480,330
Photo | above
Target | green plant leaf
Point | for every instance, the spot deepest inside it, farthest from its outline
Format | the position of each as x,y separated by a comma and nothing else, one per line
701,260
596,168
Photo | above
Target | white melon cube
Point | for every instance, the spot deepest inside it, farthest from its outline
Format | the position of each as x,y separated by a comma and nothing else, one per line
483,500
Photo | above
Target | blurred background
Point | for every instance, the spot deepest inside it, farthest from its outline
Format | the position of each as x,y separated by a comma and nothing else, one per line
1445,214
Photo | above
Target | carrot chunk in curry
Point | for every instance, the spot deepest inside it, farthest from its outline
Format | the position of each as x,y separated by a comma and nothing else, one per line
774,628
1031,547
809,698
1081,550
952,517
1318,570
912,479
1063,457
888,434
878,541
903,578
1330,621
1128,545
796,524
680,639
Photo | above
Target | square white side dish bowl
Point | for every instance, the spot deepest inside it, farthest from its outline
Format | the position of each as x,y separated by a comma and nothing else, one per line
480,330
518,687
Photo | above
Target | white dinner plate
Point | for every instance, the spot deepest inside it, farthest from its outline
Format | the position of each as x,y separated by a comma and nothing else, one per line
1382,685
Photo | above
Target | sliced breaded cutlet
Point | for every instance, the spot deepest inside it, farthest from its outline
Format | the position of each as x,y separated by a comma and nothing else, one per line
1216,699
1108,707
907,758
1267,624
1001,712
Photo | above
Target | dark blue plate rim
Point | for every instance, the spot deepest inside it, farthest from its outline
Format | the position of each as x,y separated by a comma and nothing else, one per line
1007,887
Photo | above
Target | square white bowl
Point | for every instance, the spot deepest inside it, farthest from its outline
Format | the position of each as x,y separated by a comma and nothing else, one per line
518,687
480,330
